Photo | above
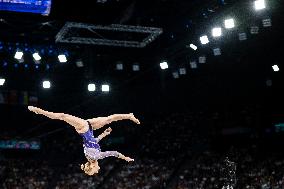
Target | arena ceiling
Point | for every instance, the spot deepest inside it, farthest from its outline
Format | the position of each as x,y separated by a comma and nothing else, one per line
182,23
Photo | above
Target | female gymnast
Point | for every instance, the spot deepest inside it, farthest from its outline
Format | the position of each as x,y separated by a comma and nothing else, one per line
85,128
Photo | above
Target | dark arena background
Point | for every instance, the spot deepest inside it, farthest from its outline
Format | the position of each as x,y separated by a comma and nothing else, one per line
204,77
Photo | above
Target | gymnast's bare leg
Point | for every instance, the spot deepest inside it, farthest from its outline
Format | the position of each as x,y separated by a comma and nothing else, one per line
81,125
99,122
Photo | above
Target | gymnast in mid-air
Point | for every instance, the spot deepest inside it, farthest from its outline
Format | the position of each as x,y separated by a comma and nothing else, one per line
85,128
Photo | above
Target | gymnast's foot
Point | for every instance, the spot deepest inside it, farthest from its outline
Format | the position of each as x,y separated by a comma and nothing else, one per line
34,109
134,119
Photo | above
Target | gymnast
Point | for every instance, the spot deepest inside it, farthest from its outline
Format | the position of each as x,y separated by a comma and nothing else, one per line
85,128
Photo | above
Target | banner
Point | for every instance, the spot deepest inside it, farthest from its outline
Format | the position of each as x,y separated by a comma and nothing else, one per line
15,144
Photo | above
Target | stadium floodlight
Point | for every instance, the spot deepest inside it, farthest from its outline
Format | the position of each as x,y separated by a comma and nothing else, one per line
36,56
119,66
175,75
217,51
193,64
217,32
182,71
91,87
105,88
194,47
46,84
2,81
229,23
135,67
79,63
164,65
259,4
202,59
204,39
19,55
62,58
242,36
254,30
275,68
266,22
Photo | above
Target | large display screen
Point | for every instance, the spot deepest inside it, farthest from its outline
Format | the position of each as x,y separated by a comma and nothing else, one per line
15,144
279,127
31,6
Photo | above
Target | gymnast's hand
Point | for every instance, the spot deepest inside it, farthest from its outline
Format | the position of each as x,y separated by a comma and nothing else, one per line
128,159
108,131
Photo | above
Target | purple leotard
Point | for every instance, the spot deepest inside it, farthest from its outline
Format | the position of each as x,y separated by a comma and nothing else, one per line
92,149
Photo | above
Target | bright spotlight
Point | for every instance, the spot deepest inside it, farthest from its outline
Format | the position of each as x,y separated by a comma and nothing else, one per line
119,66
164,65
175,75
19,55
2,81
242,36
259,4
217,51
105,88
202,59
275,68
135,67
193,65
182,71
193,47
216,32
266,22
254,30
46,84
62,58
36,56
79,63
91,87
204,39
229,23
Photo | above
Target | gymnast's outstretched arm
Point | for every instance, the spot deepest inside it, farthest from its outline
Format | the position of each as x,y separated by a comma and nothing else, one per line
104,134
103,155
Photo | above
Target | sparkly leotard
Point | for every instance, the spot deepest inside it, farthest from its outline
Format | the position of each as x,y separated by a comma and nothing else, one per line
92,149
